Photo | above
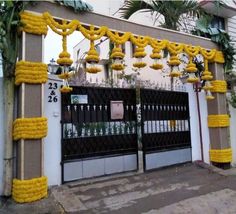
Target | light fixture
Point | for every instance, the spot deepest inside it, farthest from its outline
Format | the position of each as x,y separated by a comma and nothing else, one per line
52,66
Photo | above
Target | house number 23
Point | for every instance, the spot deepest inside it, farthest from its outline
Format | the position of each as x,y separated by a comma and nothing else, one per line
52,97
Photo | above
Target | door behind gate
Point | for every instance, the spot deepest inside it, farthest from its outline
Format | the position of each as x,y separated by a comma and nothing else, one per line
165,128
98,132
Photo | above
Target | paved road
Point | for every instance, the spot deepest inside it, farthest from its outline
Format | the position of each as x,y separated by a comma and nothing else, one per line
183,189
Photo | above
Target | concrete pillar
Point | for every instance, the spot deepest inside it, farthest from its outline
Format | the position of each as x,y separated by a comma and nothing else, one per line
30,152
219,136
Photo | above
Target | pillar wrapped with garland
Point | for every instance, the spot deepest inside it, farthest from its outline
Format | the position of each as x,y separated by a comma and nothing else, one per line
218,119
30,127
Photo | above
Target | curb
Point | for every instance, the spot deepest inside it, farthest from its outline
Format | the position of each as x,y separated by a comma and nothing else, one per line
223,172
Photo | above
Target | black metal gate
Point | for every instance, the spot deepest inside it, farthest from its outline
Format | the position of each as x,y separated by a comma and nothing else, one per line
165,128
88,130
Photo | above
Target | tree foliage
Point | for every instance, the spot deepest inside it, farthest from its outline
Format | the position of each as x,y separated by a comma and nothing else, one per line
220,37
171,10
77,5
9,36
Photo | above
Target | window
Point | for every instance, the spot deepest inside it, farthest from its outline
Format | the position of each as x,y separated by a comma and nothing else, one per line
218,22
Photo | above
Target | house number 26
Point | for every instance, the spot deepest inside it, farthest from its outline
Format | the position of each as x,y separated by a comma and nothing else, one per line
52,97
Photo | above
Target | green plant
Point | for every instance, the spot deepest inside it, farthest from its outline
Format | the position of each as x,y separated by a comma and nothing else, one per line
170,10
77,5
220,37
232,99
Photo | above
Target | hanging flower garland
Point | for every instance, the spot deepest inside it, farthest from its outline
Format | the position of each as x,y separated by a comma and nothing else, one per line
64,60
191,68
92,57
140,43
174,49
207,75
158,46
117,55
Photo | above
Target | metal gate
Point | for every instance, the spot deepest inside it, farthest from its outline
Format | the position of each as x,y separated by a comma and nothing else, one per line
98,132
165,128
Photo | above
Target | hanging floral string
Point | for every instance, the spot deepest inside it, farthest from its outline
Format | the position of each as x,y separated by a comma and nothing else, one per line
207,75
140,43
191,68
117,55
92,57
64,59
158,46
174,49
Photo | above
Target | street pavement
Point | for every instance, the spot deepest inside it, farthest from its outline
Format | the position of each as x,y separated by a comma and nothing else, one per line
188,188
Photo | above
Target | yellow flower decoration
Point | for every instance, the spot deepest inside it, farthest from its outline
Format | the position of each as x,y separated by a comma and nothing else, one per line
208,56
93,70
117,67
158,46
156,66
33,23
175,74
29,190
192,51
66,89
174,49
192,80
65,75
139,64
140,42
116,38
92,56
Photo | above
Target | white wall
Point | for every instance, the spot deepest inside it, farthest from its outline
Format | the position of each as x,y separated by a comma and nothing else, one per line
52,148
194,123
1,136
233,132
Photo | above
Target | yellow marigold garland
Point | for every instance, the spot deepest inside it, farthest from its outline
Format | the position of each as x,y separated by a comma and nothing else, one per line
63,29
30,128
116,38
29,190
33,23
117,55
93,70
208,55
117,67
221,155
158,46
66,89
92,35
219,57
65,75
174,49
156,66
218,120
30,72
139,64
191,68
175,73
140,43
219,86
